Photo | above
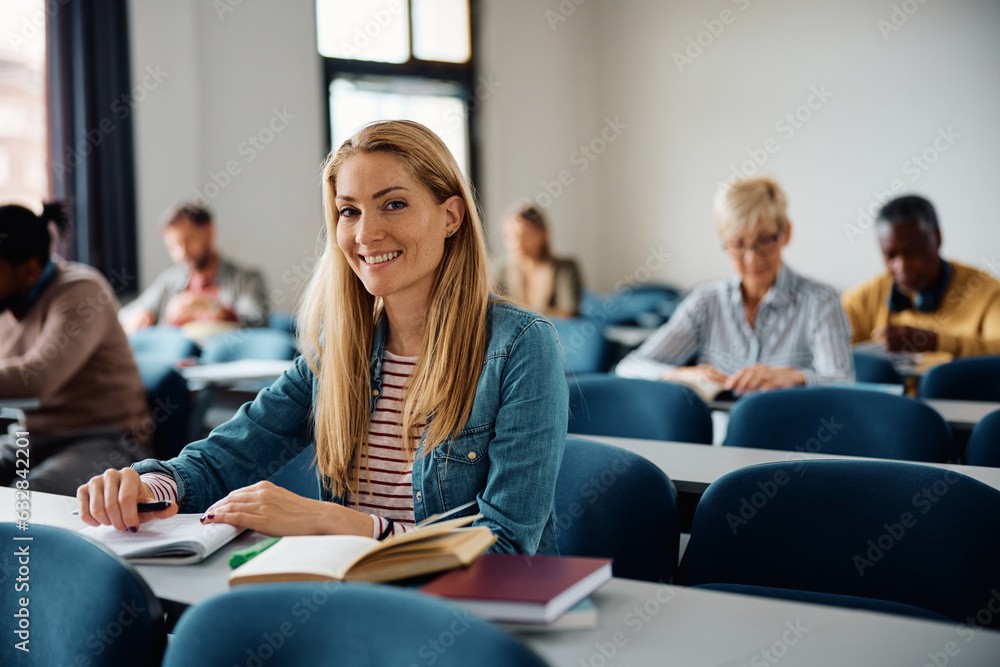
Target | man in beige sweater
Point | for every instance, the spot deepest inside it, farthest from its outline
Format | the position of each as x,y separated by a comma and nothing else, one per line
61,344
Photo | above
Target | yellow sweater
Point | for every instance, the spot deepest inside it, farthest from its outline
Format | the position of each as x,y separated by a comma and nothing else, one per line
967,322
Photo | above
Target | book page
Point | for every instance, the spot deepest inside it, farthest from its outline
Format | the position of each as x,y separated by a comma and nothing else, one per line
181,534
324,555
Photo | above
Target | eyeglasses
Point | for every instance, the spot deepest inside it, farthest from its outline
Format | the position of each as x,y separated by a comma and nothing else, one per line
762,246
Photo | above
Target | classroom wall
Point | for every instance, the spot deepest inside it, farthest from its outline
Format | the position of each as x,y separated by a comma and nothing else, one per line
238,120
558,76
879,96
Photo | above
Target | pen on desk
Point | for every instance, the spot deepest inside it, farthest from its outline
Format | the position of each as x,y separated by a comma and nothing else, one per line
157,506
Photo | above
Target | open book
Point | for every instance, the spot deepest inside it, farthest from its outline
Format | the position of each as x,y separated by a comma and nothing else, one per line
432,548
176,540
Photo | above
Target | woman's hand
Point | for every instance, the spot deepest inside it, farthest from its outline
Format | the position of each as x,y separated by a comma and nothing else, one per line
760,377
273,510
110,499
699,373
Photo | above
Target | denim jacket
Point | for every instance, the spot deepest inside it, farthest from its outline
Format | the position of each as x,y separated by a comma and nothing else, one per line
506,457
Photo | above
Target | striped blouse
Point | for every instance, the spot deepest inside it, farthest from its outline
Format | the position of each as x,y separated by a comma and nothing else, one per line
800,324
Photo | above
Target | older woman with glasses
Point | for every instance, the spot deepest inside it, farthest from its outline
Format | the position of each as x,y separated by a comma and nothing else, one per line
764,328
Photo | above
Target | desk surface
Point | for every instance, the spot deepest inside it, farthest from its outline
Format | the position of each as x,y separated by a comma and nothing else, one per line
693,467
651,624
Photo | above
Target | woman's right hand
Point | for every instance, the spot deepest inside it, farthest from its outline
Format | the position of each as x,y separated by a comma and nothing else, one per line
699,373
111,499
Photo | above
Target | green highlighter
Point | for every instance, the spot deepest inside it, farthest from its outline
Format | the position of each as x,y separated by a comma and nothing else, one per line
243,555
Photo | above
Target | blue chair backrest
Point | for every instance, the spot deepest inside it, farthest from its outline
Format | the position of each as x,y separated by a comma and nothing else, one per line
612,503
602,404
984,443
885,530
629,305
282,322
969,379
169,405
337,624
840,420
248,344
873,368
300,474
165,342
585,348
87,606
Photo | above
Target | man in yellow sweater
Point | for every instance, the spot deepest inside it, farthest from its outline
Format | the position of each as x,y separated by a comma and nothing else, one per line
923,303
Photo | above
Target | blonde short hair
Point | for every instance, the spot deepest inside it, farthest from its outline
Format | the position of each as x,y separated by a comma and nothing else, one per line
747,205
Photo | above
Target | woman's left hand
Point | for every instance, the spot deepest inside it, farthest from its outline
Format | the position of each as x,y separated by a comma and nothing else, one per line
276,511
759,377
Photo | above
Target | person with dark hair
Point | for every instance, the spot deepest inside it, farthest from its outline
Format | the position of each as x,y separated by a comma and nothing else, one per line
923,303
61,343
532,276
202,286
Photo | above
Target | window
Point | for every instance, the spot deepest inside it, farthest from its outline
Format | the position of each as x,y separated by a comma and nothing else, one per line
399,59
23,134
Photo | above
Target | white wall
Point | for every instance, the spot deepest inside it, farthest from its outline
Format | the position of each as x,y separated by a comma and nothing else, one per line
559,83
232,76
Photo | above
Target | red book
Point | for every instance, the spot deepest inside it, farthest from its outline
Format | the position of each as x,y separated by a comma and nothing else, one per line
524,589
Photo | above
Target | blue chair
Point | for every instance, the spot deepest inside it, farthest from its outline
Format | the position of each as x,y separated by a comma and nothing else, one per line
880,535
165,342
984,443
284,625
631,305
873,368
612,503
282,322
840,420
248,344
300,475
968,379
602,404
87,606
583,344
169,405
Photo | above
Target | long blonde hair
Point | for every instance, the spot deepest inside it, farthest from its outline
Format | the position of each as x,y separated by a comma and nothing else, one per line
340,316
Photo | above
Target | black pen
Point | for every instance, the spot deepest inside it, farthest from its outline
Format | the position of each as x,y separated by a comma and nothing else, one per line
157,506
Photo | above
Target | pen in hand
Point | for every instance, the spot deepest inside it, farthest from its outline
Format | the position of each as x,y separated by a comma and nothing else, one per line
157,506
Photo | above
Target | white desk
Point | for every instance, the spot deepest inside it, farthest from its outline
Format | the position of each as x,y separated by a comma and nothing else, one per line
650,624
233,372
693,467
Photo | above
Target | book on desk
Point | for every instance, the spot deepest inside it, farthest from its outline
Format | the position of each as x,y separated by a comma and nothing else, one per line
177,540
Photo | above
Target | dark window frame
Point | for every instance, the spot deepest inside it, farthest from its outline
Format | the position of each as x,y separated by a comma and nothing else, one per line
461,74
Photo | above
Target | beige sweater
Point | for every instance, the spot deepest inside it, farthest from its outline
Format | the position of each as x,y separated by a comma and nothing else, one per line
71,353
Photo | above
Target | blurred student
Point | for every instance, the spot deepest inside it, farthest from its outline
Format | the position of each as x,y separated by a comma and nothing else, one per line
532,276
61,343
923,303
765,327
420,391
202,286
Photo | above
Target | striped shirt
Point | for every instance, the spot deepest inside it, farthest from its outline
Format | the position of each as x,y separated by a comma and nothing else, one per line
800,324
390,493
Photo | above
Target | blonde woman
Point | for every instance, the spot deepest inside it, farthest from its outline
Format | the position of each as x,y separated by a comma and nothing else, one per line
532,276
401,337
764,328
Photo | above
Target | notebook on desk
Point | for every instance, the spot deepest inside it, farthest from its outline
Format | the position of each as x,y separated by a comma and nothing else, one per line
177,540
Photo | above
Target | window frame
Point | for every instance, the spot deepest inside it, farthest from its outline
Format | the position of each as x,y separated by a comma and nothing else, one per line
460,74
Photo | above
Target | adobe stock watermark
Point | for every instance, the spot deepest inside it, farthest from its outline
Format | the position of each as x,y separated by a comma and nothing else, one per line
697,44
635,620
223,7
915,167
486,85
34,26
898,17
787,125
772,655
924,500
364,34
581,158
120,109
249,149
564,10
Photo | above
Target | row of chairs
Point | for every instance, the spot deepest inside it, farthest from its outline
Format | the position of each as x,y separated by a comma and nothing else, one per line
884,536
829,420
157,352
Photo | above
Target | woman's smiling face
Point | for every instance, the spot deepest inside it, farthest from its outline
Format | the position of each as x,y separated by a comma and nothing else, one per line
390,228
